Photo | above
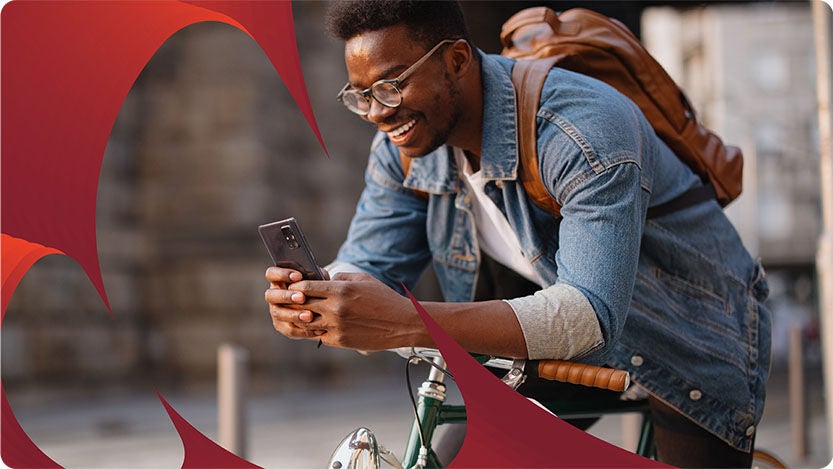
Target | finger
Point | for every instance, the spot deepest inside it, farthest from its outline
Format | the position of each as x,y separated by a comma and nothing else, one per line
354,276
293,332
318,288
328,289
282,275
279,296
298,316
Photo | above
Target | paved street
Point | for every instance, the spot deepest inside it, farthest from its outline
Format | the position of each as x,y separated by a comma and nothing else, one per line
299,429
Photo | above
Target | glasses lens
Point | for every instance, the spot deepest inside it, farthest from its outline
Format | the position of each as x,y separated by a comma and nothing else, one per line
387,94
355,102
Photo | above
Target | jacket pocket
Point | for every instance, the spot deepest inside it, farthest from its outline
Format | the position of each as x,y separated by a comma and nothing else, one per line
698,318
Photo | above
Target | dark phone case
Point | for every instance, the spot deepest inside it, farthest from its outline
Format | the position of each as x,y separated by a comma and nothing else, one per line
299,258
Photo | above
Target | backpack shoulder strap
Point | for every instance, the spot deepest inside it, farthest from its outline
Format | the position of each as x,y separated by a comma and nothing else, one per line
528,77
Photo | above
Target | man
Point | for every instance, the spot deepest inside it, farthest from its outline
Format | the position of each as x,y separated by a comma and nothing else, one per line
675,300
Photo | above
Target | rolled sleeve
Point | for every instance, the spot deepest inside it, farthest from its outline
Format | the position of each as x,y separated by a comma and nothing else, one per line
557,323
600,234
338,267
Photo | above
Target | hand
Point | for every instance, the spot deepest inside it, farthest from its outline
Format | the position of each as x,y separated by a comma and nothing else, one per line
289,317
356,311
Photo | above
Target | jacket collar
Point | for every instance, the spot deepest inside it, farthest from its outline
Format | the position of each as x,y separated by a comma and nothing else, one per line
437,171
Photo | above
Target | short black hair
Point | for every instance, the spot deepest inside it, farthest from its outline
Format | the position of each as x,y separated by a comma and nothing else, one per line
430,21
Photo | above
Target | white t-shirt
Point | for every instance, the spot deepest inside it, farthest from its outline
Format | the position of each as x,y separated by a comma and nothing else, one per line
494,234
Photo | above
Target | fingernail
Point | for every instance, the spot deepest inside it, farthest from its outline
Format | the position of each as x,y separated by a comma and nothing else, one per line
296,276
319,332
298,297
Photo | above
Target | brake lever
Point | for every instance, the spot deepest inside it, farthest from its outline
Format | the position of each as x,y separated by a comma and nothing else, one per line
515,376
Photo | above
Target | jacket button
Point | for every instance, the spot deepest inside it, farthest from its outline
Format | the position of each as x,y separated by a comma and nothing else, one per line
499,184
636,360
750,431
695,395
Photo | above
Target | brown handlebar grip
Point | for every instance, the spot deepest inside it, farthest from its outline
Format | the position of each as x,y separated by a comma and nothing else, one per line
587,375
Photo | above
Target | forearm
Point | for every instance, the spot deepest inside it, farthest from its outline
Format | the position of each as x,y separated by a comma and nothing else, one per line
557,322
488,327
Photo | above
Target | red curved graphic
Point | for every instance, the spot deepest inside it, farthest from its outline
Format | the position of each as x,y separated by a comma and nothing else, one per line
18,257
67,68
516,433
18,449
200,451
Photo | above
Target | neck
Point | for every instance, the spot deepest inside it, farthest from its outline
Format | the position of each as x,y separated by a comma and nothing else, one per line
468,133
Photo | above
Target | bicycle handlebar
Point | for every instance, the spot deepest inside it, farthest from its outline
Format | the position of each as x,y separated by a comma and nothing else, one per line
554,370
587,375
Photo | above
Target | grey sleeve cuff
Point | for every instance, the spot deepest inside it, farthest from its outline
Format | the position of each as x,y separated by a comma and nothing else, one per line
338,266
558,322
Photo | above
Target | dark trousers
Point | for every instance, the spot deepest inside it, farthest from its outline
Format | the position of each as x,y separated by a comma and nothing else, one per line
679,441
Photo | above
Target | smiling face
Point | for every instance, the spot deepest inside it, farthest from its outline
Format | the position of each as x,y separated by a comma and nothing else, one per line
431,97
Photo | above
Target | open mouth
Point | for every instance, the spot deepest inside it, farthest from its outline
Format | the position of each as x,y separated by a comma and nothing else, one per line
400,134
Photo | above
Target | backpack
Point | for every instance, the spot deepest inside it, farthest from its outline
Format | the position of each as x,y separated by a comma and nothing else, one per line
595,45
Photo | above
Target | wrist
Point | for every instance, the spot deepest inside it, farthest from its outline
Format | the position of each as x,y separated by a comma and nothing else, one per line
417,335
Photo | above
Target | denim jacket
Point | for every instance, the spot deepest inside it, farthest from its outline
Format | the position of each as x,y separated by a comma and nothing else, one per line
678,297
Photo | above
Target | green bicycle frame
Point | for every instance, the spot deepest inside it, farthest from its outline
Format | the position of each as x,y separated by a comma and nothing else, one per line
429,417
433,412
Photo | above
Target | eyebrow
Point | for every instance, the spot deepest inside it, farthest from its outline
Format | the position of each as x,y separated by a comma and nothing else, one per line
385,73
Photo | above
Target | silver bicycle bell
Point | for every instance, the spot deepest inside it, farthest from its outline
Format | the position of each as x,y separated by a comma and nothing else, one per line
359,450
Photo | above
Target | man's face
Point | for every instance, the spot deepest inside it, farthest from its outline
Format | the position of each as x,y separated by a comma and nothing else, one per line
430,106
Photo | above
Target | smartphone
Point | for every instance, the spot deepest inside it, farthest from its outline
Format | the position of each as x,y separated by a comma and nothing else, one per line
286,244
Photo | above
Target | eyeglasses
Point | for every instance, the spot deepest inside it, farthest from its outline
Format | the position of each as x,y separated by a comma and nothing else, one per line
386,92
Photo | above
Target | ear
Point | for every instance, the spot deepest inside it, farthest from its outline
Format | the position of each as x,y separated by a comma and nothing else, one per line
460,58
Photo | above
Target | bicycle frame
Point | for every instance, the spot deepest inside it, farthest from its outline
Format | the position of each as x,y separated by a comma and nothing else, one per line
360,448
433,412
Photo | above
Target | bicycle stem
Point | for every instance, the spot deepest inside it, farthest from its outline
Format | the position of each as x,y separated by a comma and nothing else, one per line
435,374
431,397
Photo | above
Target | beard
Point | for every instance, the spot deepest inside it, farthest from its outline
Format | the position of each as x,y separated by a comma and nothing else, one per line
440,137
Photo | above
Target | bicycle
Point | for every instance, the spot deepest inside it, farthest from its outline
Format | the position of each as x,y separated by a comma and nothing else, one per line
360,449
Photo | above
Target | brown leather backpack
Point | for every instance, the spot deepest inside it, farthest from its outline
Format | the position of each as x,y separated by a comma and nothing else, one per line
593,44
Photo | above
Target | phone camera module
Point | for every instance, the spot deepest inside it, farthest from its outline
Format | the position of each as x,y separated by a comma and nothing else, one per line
289,236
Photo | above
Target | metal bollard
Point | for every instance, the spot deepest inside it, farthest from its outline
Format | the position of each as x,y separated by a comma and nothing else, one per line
631,430
232,376
798,404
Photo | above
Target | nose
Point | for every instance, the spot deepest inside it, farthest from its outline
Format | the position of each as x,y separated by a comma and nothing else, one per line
379,112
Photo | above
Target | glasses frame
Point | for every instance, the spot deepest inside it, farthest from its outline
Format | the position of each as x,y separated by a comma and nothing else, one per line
367,94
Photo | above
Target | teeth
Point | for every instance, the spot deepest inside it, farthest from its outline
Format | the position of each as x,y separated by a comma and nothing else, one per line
402,130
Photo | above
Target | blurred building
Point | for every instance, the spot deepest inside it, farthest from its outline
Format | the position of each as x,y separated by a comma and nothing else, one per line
749,70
